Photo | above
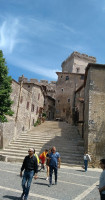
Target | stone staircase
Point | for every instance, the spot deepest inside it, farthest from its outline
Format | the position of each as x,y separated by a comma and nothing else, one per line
51,133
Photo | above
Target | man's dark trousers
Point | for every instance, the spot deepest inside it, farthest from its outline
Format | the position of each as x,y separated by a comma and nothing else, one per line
26,182
102,196
51,172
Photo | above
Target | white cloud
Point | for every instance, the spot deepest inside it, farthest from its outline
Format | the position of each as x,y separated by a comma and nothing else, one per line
33,67
14,31
41,27
9,30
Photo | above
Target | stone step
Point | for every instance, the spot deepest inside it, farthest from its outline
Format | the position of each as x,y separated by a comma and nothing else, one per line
61,140
47,137
60,134
21,154
63,157
46,146
20,160
22,151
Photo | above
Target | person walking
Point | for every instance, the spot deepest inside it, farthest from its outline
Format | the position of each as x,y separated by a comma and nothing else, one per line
86,159
30,168
47,164
37,157
42,157
54,164
102,180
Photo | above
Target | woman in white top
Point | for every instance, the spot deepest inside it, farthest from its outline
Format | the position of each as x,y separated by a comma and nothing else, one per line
86,159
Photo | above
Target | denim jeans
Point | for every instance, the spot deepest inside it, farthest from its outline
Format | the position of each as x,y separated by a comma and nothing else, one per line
51,172
102,196
26,182
86,164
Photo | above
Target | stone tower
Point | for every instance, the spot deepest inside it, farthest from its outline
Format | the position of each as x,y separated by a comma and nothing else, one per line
76,63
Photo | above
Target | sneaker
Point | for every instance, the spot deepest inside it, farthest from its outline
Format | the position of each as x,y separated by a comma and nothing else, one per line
47,178
49,185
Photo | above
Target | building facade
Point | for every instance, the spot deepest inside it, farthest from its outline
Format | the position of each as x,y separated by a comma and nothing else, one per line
94,112
77,63
69,80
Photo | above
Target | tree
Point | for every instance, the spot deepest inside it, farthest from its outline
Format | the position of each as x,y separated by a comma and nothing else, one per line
5,90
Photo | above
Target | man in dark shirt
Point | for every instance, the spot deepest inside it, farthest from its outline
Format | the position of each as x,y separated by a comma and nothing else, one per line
30,167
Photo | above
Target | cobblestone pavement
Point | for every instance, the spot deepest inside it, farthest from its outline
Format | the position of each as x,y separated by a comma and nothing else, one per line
73,184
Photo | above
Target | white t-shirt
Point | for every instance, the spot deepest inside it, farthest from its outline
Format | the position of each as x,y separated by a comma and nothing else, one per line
87,157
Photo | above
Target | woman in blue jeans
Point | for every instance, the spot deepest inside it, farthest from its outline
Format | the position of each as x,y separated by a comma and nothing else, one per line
86,159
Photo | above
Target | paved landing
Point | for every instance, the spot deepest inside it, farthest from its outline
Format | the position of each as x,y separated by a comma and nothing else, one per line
73,184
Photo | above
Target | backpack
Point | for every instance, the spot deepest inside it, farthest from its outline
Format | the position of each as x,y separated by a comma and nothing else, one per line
88,157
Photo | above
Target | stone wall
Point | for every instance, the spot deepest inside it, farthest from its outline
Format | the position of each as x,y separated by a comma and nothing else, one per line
94,127
66,85
26,105
37,101
49,107
79,105
50,86
76,63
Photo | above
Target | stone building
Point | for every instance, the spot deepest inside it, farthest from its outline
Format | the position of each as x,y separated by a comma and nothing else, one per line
49,91
92,95
49,107
27,100
76,63
79,102
66,85
94,112
69,80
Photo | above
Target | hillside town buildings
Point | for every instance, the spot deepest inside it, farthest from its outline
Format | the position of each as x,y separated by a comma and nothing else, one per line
78,97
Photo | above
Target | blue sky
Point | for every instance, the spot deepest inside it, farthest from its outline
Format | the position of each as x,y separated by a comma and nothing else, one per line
36,36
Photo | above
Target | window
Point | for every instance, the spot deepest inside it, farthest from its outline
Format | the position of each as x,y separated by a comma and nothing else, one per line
57,111
61,76
78,69
67,78
21,99
28,86
32,108
38,96
68,100
63,109
27,106
82,77
62,89
58,101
